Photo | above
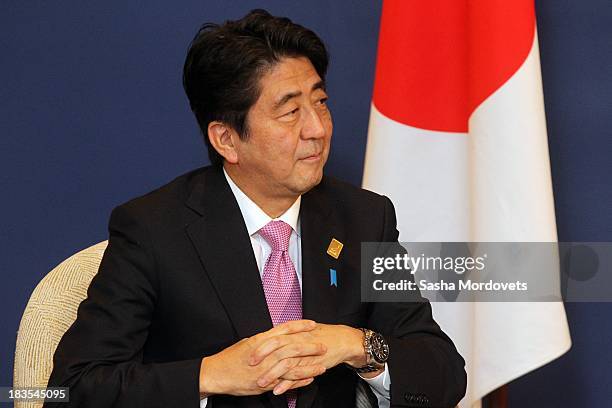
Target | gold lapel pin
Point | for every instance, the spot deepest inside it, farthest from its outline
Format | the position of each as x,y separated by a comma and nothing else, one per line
334,248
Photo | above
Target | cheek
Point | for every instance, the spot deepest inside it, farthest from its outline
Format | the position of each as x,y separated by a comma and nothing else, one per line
281,154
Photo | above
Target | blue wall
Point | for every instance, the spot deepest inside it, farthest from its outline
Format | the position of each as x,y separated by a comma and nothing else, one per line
576,56
93,114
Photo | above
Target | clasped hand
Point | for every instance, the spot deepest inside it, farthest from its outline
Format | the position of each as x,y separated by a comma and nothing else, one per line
285,357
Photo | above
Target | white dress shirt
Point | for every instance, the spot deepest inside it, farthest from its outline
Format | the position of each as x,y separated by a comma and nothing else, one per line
255,218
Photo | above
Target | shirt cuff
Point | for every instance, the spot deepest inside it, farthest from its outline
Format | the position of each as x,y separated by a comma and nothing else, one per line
203,402
381,386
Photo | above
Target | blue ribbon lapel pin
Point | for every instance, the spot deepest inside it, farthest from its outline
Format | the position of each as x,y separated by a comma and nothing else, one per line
333,250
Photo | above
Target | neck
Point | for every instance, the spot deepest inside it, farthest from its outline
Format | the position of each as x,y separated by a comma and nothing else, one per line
274,205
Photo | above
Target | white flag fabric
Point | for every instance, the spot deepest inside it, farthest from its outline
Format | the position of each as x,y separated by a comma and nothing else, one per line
457,140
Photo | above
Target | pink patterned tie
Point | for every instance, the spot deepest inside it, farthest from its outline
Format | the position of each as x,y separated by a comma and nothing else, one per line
280,282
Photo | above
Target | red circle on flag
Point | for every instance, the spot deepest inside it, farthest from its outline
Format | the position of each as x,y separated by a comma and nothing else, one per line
438,60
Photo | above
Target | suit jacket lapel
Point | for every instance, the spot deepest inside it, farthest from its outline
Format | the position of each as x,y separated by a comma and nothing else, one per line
319,297
318,227
224,247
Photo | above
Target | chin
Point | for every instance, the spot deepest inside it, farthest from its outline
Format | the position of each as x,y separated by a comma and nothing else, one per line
307,183
316,179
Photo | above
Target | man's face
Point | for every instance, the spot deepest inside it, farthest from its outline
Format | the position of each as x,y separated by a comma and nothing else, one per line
289,132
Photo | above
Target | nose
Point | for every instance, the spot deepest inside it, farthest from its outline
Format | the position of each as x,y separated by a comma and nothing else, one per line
313,125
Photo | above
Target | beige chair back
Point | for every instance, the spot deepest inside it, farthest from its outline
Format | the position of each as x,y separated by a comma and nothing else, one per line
50,311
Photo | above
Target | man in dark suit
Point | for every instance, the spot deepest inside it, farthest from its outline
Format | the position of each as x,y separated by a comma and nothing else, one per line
239,284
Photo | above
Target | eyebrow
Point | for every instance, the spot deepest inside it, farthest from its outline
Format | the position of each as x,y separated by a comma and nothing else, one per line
287,97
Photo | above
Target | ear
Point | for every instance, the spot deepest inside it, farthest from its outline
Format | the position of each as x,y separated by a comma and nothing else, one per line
222,138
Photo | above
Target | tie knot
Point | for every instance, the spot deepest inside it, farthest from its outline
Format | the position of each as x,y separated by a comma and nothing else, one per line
277,234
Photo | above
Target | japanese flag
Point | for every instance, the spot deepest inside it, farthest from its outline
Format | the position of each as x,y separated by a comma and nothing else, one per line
457,140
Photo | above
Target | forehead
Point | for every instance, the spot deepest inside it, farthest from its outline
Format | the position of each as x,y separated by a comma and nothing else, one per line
289,75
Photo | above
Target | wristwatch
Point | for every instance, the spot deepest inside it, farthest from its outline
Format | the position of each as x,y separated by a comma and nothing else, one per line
376,349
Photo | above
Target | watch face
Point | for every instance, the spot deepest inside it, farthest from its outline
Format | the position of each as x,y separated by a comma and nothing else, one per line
380,348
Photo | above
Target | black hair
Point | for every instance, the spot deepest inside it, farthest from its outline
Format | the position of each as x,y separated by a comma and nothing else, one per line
225,63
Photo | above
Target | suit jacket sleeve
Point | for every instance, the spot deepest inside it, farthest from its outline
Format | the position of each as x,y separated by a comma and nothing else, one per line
425,368
100,356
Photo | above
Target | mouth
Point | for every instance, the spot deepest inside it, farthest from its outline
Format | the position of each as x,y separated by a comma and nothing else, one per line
312,158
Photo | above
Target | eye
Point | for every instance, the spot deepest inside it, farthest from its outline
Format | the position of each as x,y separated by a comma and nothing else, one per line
321,103
292,113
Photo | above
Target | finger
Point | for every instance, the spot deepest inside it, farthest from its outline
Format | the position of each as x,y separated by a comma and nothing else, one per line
273,384
303,372
276,371
301,383
286,385
283,386
292,326
299,350
289,369
280,347
266,348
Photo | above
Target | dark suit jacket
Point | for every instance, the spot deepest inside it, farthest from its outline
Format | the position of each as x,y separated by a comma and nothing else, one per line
179,281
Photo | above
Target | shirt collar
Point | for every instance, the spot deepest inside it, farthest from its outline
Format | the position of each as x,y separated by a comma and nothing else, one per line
255,218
